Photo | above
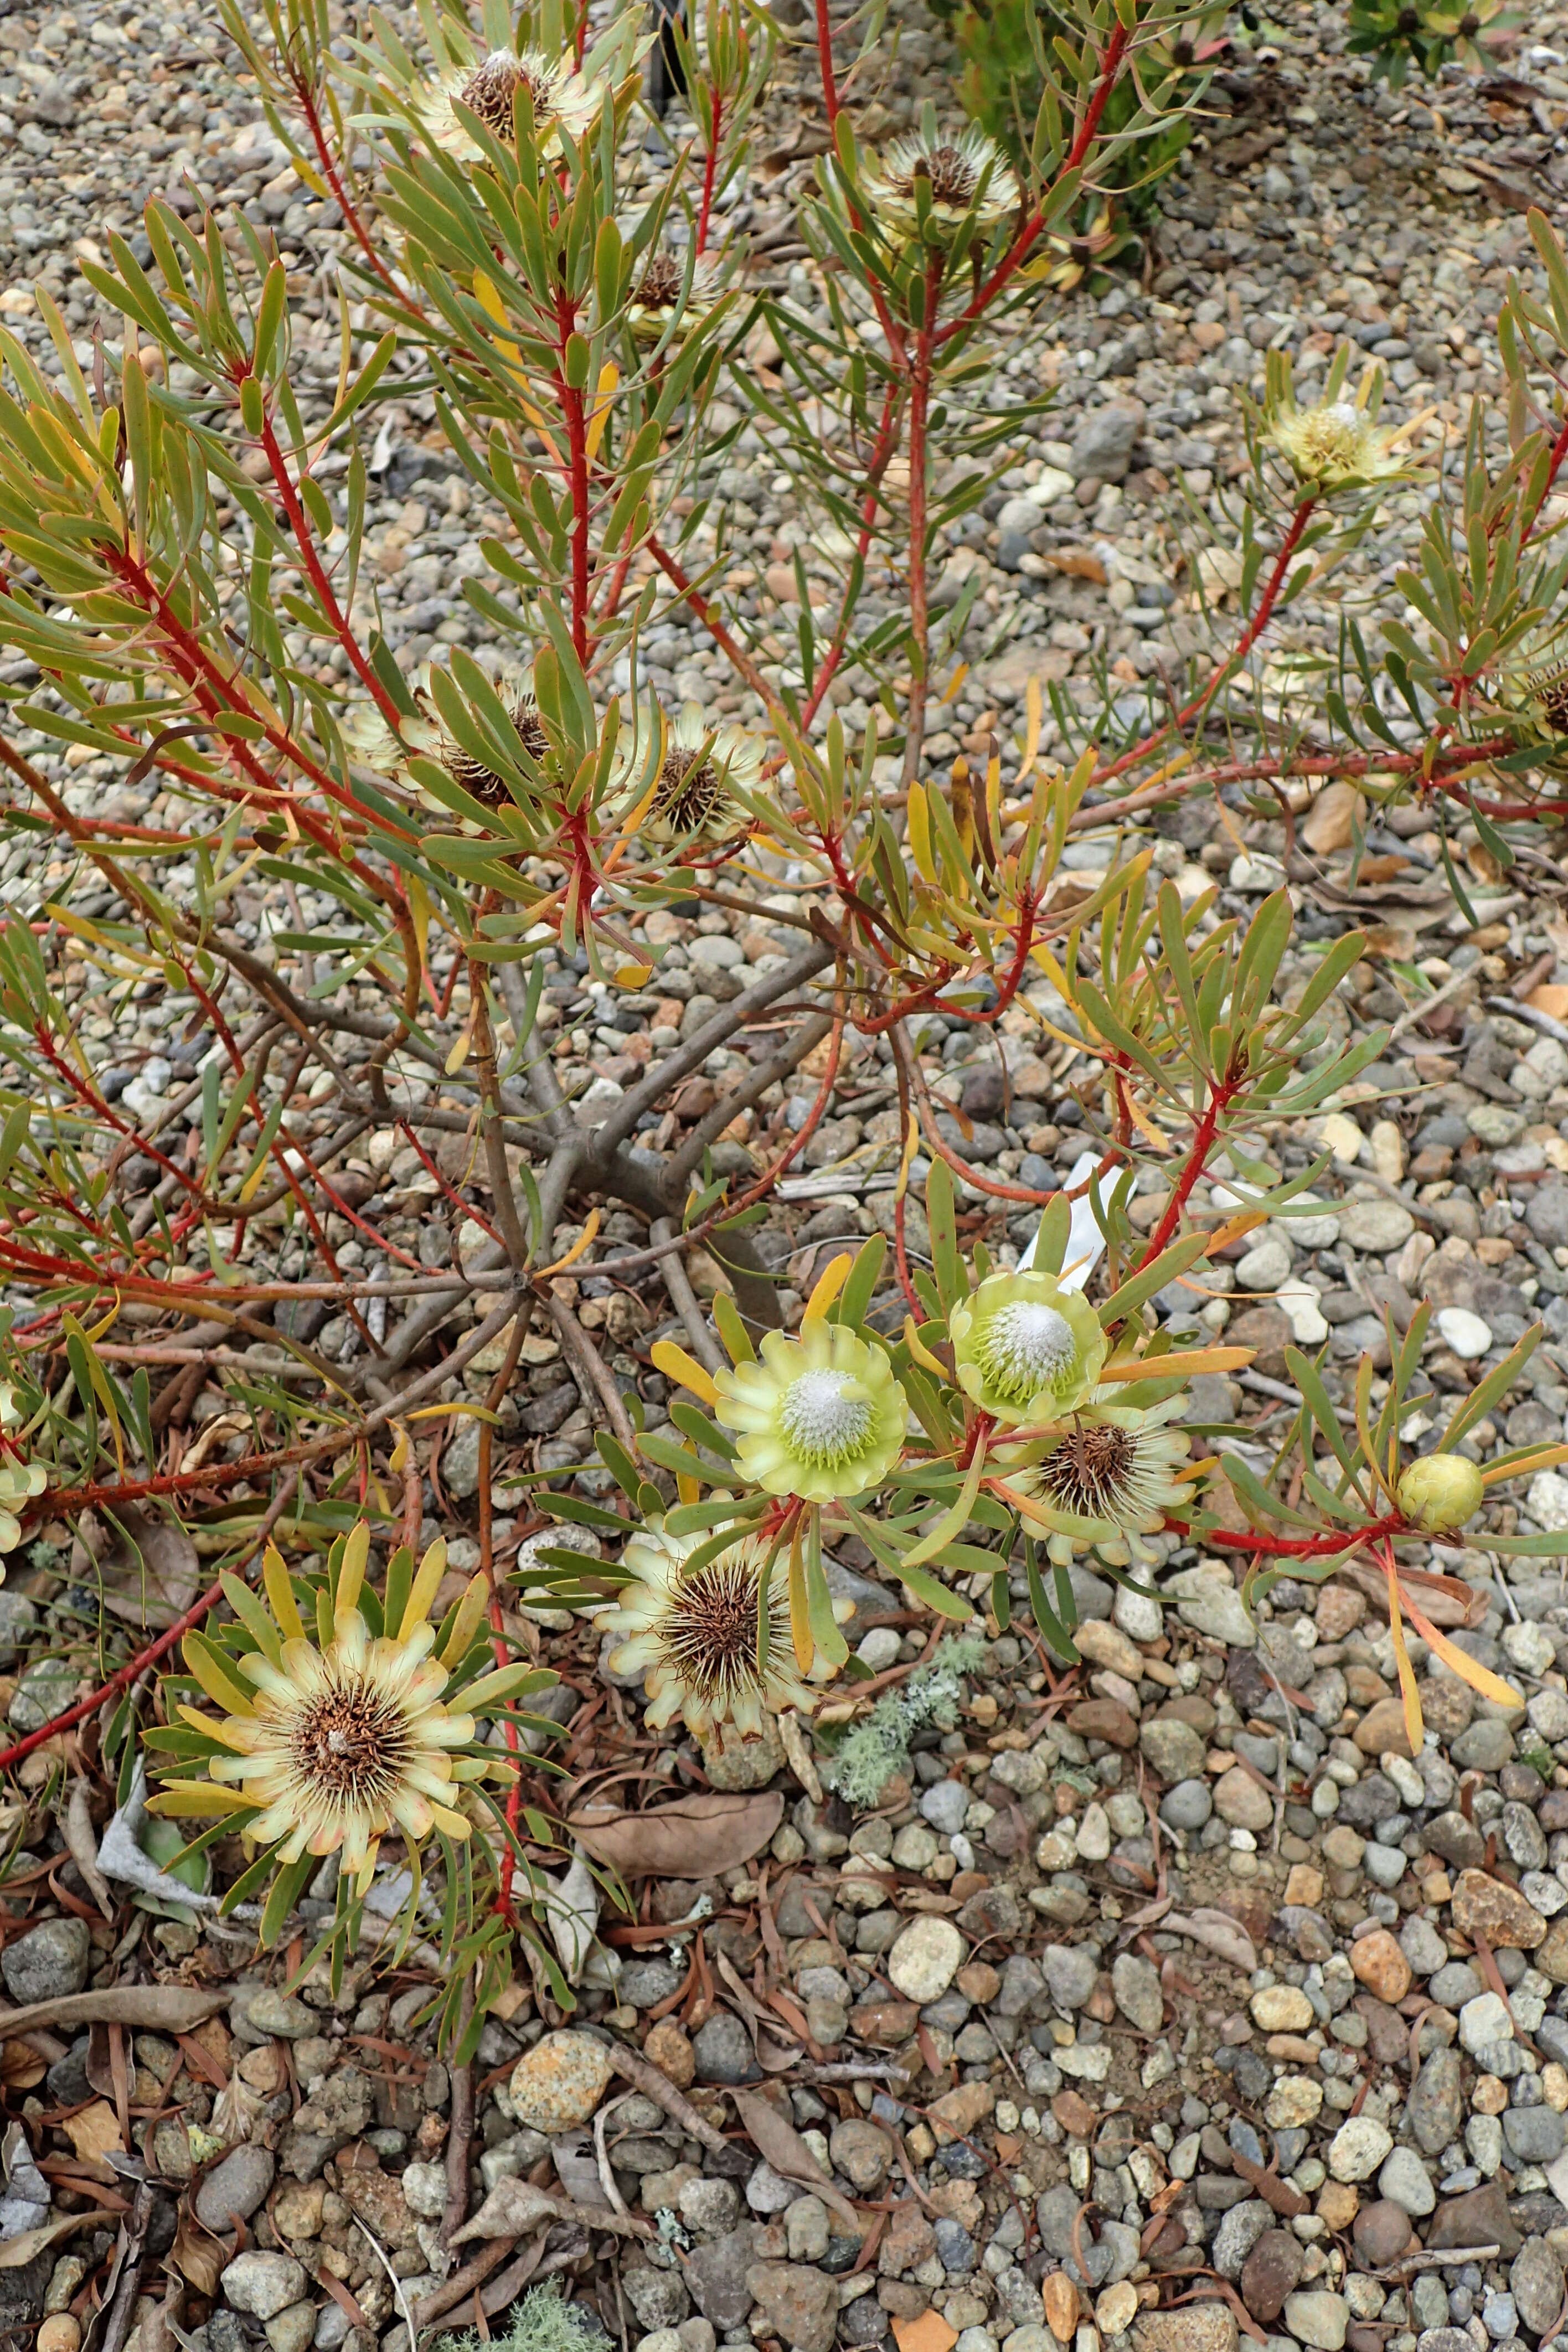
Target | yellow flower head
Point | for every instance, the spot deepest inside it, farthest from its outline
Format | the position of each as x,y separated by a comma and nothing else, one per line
820,1417
1109,1480
693,1632
1334,446
965,176
1025,1348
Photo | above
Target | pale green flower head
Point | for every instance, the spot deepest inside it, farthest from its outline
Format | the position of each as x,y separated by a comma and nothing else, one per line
1025,1348
820,1417
1531,694
1441,1493
19,1483
1335,444
951,177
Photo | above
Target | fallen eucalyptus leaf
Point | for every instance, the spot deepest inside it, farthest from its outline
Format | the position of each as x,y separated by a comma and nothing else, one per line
700,1836
119,1855
19,2251
513,2208
779,2144
1218,1932
572,1907
146,2009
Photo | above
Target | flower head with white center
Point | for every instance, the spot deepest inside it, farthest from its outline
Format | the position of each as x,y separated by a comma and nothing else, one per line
693,799
962,177
344,1742
693,1633
820,1417
1108,1481
562,101
1334,446
1025,1348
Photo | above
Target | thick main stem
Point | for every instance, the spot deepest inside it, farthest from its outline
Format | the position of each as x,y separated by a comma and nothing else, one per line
919,606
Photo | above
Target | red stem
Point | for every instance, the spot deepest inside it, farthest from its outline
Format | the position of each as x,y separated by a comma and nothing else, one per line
306,101
1024,243
1292,1546
920,611
1197,1156
316,573
733,653
886,443
1250,634
825,62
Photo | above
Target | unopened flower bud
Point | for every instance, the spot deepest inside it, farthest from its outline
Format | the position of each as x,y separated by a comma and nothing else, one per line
1441,1493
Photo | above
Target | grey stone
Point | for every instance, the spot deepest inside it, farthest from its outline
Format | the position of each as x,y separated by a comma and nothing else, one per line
1172,1748
278,2014
1456,1983
1420,1943
293,2328
1436,2106
1485,1746
1136,1985
954,2247
48,1962
1406,2181
1187,1806
1535,2282
235,2187
716,2274
1070,1972
1238,2233
1535,2135
1022,1985
711,2208
723,2051
1102,445
1546,1210
807,2231
18,1623
944,1805
642,1984
263,2284
659,2297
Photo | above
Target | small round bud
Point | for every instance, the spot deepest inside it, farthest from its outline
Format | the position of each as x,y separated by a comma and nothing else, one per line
1441,1493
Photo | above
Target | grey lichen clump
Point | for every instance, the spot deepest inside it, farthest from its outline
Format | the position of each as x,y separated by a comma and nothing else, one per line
878,1748
544,2321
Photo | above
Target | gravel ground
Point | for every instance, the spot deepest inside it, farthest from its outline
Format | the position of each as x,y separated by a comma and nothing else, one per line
1174,1975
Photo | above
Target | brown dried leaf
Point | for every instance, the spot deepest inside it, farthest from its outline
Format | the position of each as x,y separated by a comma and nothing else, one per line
152,1574
700,1836
146,2009
779,2144
514,2208
17,2251
197,2256
1218,1932
93,2133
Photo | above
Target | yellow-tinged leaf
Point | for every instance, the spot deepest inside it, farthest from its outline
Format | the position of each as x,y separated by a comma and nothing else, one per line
470,1617
829,1283
1414,1729
1181,1364
1145,1125
921,1353
1233,1230
1459,1662
690,1490
917,825
1034,709
218,1684
419,909
213,1728
800,1605
280,1594
198,1800
577,1248
460,1049
1542,1459
351,1571
678,1366
633,975
609,378
955,681
422,1592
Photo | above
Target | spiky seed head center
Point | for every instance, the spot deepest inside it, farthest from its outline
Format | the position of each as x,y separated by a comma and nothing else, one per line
690,793
1088,1471
350,1745
827,1417
661,283
492,86
710,1636
1330,438
1549,689
954,178
1028,1347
